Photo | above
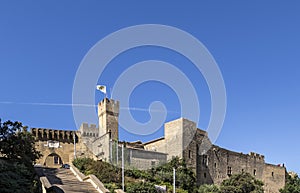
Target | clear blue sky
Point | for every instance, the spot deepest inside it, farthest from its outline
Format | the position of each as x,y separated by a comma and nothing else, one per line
256,45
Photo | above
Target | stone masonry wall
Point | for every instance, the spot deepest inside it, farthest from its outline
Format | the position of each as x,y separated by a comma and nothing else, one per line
143,159
158,145
108,113
173,138
273,178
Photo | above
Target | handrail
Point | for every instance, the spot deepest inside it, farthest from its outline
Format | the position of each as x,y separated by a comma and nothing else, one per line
98,185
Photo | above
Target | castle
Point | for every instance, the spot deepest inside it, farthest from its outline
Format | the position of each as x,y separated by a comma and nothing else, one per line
182,138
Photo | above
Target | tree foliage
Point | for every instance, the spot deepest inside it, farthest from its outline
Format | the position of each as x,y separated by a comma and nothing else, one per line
17,156
140,180
206,188
292,185
241,183
144,180
104,171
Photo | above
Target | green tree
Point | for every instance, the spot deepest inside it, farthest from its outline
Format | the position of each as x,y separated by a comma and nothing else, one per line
140,187
17,156
241,183
17,144
185,177
83,163
206,188
292,185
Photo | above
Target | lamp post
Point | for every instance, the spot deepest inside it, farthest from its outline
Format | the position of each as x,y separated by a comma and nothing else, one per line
74,139
174,180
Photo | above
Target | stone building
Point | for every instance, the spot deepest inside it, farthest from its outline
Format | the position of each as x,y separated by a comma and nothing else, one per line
210,163
104,142
57,146
182,138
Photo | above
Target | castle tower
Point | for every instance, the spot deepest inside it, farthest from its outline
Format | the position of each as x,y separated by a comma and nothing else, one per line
108,114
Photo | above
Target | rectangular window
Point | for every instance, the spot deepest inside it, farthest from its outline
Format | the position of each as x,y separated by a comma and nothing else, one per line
205,160
254,172
272,174
229,171
204,175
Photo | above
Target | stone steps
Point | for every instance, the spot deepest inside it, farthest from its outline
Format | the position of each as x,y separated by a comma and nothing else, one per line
65,180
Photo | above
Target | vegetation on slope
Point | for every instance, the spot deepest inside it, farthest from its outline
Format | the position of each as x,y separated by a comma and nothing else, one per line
145,181
17,156
138,180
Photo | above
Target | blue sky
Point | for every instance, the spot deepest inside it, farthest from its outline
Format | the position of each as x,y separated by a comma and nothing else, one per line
255,44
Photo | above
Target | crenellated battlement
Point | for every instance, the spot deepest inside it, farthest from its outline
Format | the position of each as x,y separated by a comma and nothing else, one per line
45,134
109,106
256,155
87,130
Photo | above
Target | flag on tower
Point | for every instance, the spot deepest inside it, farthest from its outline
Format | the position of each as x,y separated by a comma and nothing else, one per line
102,88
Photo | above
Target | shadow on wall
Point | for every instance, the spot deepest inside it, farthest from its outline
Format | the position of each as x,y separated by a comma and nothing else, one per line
203,171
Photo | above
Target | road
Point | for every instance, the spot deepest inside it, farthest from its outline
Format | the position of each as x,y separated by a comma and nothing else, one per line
66,181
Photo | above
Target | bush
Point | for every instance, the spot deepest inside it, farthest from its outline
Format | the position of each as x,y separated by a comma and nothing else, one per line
140,187
104,171
206,188
83,163
139,180
242,183
112,186
292,185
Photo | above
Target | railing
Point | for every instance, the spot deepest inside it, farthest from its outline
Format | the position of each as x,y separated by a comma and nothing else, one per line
98,185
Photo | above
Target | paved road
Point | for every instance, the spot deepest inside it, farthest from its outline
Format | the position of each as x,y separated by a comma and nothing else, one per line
65,180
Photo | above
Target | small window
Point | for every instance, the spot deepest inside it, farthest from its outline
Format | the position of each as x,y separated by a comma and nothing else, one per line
242,170
272,174
190,154
205,160
152,163
215,165
254,172
229,171
204,175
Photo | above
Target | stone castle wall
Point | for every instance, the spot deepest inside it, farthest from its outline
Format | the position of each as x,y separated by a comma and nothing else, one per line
219,164
210,163
143,159
89,130
273,178
99,146
51,142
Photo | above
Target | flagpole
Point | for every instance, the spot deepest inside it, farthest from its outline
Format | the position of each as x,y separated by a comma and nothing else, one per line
117,154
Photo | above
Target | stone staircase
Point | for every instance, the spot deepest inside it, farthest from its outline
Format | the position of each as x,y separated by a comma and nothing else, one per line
64,181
